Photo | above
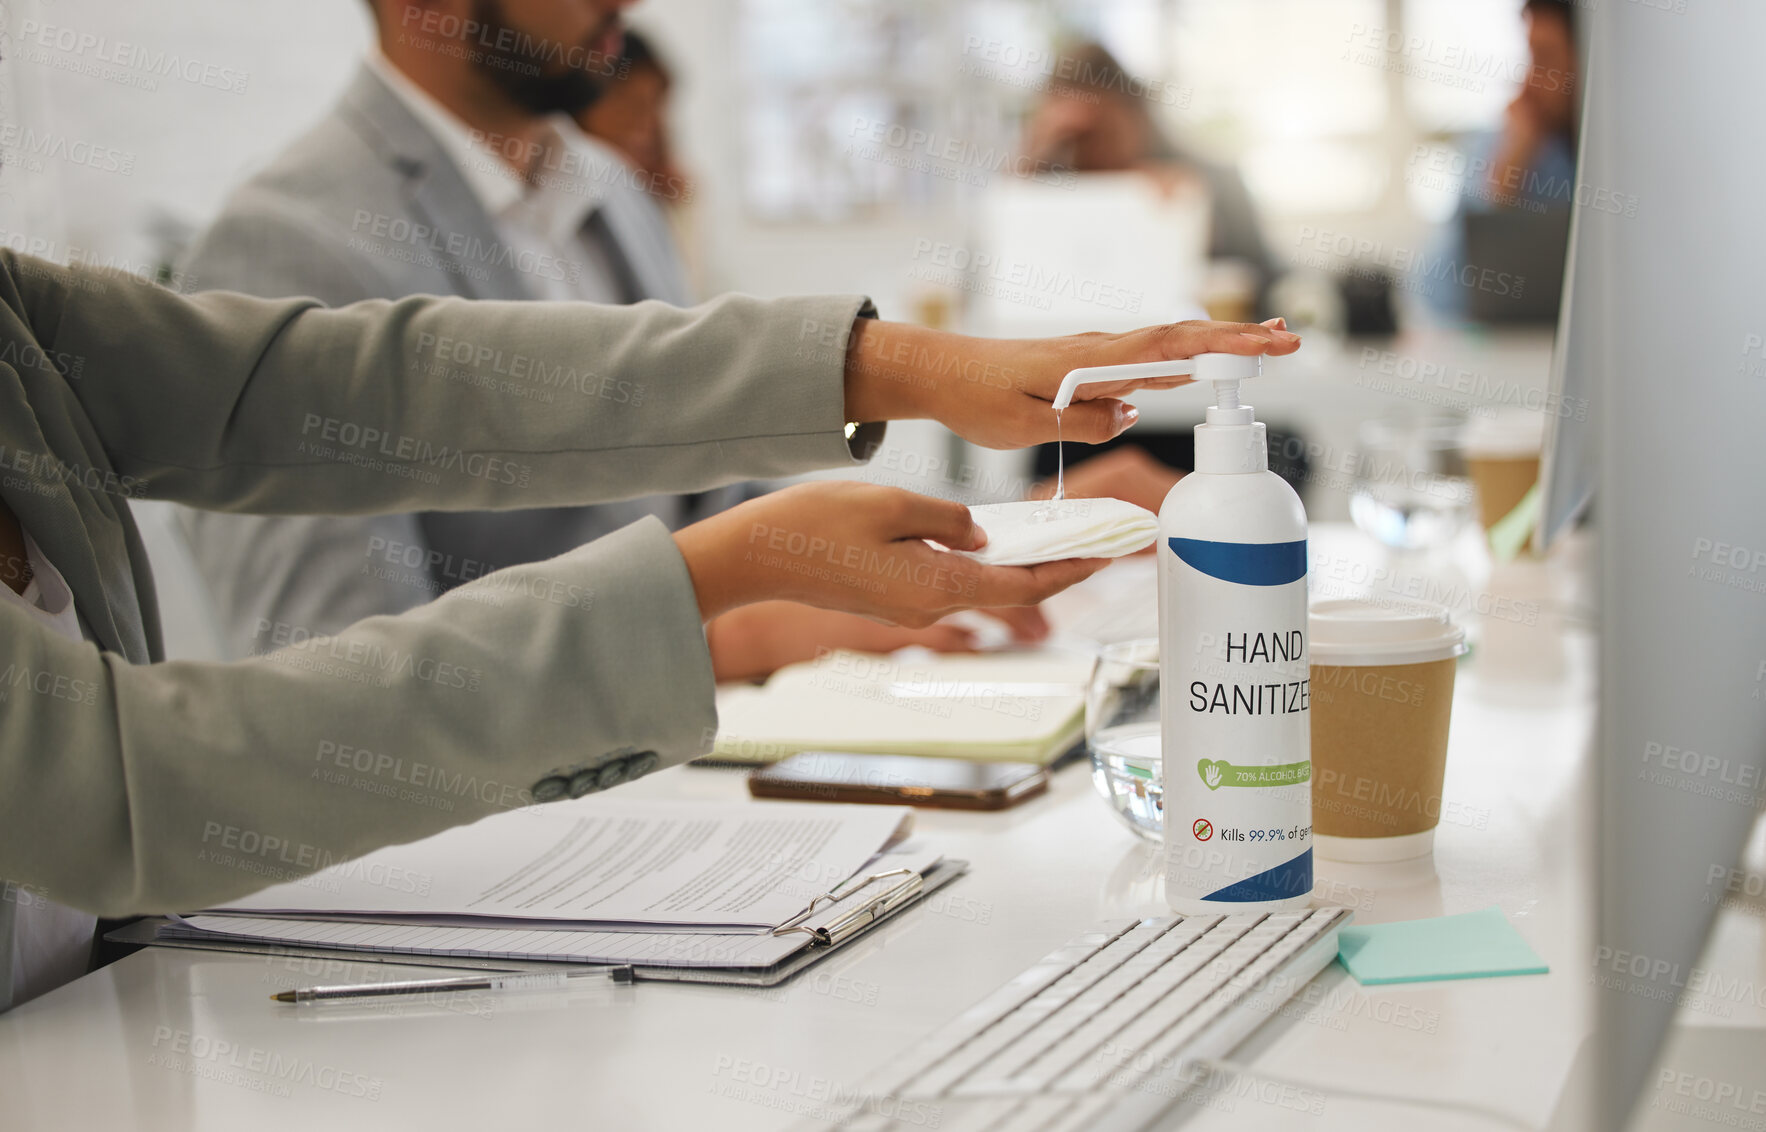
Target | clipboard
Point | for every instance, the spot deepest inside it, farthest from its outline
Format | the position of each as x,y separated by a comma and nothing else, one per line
833,919
828,932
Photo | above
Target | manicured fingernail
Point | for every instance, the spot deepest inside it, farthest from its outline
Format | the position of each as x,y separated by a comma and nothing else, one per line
1257,338
1130,415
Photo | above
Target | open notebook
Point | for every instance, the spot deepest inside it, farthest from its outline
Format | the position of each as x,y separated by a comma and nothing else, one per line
1016,707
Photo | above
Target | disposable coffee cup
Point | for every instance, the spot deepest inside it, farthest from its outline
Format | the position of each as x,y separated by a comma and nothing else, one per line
1381,699
1502,458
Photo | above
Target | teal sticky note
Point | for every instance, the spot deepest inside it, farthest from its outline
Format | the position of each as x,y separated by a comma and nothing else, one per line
1472,945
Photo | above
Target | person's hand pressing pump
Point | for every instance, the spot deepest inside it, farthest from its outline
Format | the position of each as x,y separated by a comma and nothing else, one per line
860,548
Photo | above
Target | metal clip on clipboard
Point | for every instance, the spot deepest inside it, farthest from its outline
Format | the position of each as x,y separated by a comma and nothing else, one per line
867,913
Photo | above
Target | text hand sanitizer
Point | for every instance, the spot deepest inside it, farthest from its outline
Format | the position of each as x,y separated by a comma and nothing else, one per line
1234,697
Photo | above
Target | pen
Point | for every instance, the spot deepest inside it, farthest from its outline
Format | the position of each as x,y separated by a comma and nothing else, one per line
546,981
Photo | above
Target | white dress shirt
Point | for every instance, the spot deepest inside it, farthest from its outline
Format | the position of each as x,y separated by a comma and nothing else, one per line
51,944
543,222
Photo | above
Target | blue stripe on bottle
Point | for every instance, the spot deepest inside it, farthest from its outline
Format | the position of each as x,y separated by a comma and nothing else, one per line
1290,878
1246,563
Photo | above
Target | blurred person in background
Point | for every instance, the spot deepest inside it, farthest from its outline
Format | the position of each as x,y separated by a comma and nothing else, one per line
1519,186
631,115
1535,154
453,166
1094,118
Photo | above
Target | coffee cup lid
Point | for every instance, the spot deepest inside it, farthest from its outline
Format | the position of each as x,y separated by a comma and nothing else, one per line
1510,433
1356,631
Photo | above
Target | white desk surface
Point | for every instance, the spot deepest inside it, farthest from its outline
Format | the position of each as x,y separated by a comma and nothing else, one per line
179,1039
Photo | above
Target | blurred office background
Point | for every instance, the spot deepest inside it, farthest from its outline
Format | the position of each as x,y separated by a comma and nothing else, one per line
1299,93
873,146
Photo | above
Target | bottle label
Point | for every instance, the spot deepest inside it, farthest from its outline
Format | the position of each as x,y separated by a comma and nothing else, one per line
1236,721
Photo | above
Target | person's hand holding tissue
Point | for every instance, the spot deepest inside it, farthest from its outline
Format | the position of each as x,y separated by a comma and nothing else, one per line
862,548
1035,531
997,392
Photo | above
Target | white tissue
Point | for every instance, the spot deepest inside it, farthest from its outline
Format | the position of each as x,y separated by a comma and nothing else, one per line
1038,530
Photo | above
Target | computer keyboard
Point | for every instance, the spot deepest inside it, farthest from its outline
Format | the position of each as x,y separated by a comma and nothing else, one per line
1104,1033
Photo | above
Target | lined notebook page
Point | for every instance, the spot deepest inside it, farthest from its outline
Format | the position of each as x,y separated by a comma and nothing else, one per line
1020,707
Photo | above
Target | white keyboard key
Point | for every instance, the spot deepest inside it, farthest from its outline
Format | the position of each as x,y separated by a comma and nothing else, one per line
1163,1032
1106,993
1038,1114
1080,1114
1046,1113
1240,986
1065,1066
1034,1012
974,1116
941,1043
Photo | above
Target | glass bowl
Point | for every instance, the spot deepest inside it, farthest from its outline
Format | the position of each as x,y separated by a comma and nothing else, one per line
1122,734
1410,489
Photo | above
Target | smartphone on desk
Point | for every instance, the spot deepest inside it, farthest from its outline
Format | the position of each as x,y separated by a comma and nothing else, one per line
898,780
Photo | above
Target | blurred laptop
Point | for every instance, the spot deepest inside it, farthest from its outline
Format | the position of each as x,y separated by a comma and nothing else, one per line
1530,246
1092,251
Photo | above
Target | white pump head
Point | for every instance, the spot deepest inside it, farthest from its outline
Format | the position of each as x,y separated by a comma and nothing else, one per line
1224,370
1231,441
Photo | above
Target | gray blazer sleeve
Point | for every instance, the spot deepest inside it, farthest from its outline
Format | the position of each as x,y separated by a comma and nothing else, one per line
272,575
150,788
284,406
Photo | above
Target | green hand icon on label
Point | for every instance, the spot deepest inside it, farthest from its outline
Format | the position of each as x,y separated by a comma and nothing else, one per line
1218,772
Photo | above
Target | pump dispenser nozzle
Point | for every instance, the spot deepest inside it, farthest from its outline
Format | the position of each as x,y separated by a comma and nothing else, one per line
1224,370
1231,441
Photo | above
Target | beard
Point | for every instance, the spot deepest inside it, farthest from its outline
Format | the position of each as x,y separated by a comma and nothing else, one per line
528,71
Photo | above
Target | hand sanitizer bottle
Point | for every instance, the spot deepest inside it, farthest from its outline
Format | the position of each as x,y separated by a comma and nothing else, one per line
1235,720
1235,716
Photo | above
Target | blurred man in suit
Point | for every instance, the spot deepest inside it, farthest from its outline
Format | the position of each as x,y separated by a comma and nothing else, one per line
452,166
